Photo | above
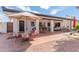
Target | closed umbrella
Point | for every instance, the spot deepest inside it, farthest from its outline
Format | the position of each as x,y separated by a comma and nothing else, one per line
74,23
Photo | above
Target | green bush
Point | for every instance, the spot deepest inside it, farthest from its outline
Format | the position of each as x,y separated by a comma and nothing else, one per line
77,27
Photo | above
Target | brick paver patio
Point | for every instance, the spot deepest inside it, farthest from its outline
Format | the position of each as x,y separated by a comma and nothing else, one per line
55,42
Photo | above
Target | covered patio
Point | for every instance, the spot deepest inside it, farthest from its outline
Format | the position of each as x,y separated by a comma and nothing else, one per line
24,22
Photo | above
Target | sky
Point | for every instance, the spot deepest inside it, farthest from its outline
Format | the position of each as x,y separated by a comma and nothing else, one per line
3,17
60,11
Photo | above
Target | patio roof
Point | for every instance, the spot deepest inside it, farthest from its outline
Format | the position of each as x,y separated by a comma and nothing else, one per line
55,19
23,15
48,16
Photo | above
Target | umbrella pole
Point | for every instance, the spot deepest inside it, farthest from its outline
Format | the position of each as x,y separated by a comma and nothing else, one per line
70,25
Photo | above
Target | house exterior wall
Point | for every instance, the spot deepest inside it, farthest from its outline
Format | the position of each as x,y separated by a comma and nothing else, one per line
28,27
27,24
66,23
3,27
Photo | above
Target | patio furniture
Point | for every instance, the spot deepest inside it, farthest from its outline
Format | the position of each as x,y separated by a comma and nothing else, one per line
11,36
63,30
26,37
57,28
68,29
22,37
18,35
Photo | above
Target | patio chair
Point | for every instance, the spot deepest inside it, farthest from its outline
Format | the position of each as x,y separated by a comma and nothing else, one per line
25,37
33,34
18,36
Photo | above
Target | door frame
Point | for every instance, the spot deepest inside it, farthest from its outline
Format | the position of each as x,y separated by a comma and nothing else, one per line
20,25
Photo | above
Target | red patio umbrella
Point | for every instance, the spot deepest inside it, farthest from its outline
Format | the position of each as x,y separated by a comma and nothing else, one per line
74,22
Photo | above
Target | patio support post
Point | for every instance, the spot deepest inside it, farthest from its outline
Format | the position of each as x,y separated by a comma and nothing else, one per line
25,26
51,25
15,25
37,26
46,24
28,25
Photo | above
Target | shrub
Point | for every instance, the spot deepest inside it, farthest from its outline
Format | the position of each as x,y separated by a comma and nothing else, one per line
77,27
